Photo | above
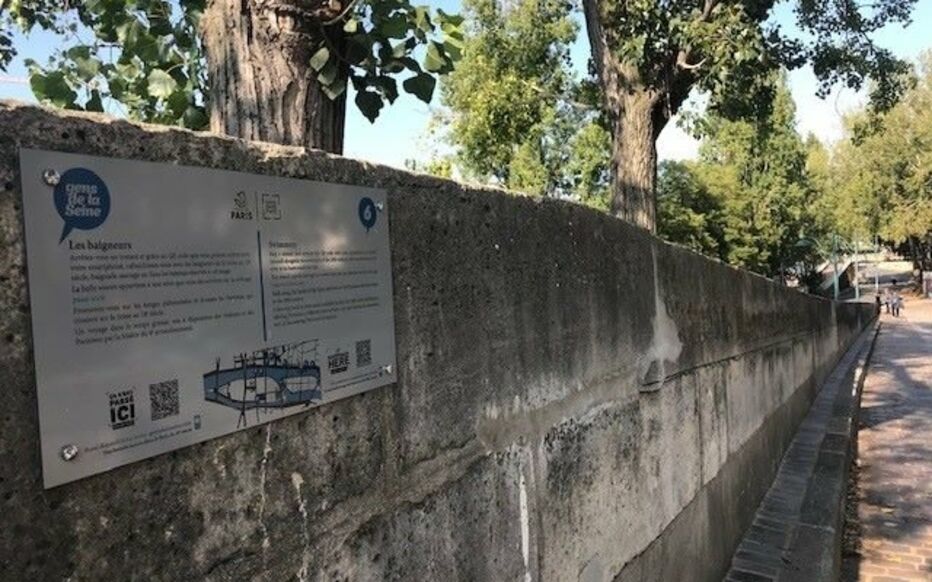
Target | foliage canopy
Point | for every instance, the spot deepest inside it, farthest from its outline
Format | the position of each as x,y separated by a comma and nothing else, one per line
650,55
749,199
517,116
147,57
882,181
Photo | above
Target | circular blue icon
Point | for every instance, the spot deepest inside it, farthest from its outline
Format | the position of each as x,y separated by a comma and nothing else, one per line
368,213
82,200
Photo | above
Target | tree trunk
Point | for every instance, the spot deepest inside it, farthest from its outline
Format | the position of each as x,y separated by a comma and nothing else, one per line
262,86
634,161
637,116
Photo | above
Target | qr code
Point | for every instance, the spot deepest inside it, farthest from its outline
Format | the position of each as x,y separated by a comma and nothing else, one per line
363,353
164,399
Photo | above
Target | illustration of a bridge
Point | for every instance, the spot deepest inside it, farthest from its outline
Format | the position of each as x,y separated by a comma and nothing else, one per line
271,378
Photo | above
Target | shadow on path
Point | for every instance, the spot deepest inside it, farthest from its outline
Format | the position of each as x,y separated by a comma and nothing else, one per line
894,473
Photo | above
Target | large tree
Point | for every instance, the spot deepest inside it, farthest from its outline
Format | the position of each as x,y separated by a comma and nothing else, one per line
689,212
883,178
273,70
759,169
514,111
753,197
650,55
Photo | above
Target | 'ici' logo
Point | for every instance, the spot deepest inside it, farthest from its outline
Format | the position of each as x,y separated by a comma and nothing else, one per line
122,409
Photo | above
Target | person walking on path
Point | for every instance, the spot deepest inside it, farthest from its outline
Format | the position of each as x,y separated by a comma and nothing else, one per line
896,303
887,297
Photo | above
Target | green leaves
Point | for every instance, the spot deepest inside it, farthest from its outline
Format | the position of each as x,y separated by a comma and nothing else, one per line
53,87
434,61
320,58
515,119
881,180
387,39
327,76
421,86
335,89
144,56
94,103
751,192
689,211
86,64
369,103
195,117
422,18
729,51
394,27
177,103
161,85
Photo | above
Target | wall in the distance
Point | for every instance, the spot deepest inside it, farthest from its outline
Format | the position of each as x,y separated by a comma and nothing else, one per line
576,401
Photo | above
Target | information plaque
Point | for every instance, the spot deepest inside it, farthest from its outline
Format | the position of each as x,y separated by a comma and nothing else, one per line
173,304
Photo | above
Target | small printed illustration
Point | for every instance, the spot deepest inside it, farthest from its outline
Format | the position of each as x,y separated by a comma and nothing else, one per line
271,207
269,379
81,199
338,362
241,210
368,212
122,409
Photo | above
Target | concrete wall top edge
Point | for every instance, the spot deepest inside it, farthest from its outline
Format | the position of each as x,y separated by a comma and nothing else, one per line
27,125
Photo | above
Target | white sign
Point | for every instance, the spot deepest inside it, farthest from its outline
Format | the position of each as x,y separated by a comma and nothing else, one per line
171,305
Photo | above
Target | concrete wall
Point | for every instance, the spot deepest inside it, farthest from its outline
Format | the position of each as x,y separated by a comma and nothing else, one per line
576,401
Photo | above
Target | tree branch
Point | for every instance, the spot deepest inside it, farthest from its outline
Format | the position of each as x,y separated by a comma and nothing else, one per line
341,15
683,77
682,64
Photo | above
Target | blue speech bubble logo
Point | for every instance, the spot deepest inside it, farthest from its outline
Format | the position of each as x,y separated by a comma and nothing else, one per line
367,212
82,200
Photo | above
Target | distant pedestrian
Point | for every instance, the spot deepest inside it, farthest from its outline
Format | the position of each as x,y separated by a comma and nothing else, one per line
878,303
897,302
887,298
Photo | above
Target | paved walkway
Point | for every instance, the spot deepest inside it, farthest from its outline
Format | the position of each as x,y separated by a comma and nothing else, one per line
895,451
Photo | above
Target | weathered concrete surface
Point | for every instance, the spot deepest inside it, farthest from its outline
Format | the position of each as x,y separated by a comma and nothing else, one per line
576,401
796,532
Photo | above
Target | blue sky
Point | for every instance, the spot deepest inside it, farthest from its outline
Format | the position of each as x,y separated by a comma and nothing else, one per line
400,133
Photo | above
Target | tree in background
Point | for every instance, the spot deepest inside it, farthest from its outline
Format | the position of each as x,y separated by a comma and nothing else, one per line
822,180
272,70
750,198
759,169
884,178
761,197
588,165
852,197
516,115
650,55
688,212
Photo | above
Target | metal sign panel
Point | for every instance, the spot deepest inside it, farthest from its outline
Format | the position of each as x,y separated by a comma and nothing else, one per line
171,304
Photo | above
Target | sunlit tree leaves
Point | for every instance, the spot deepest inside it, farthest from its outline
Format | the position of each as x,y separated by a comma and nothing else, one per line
146,57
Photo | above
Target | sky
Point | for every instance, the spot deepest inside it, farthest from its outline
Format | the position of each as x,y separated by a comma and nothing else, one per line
401,131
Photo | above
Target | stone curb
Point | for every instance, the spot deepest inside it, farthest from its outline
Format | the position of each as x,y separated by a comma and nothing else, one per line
796,533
